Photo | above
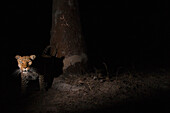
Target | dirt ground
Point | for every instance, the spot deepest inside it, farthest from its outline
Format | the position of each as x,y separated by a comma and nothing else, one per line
127,92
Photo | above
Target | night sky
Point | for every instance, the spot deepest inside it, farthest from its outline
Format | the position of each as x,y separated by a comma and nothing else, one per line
118,33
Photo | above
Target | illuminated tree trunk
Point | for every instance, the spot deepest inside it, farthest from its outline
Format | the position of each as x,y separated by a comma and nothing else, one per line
66,38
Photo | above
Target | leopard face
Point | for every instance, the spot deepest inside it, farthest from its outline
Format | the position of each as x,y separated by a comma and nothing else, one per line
25,62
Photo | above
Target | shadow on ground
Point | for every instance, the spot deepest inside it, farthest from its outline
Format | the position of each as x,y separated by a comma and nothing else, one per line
128,93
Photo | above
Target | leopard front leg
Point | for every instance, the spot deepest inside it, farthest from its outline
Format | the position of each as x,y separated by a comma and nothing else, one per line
42,83
24,83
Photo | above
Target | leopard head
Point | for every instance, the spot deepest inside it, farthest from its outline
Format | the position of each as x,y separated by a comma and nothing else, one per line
25,62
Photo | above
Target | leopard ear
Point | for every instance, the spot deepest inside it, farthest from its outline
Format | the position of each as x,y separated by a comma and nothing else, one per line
32,57
17,56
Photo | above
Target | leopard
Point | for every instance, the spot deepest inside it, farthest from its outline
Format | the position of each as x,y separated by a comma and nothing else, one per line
40,68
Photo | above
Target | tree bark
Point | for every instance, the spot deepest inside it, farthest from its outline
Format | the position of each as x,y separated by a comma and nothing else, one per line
66,37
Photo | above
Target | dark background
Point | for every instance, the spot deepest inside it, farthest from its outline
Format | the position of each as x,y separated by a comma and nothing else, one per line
126,33
120,33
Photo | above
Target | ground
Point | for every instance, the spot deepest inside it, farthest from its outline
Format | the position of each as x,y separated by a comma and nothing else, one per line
125,92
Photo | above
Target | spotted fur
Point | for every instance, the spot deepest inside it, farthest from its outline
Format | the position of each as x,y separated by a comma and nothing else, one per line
38,67
28,73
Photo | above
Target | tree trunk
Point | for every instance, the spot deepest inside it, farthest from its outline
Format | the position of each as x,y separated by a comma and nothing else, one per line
66,38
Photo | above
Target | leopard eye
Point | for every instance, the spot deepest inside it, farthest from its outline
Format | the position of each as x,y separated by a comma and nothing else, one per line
20,61
29,62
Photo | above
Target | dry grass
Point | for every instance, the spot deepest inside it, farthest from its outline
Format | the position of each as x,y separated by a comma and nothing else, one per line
128,92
